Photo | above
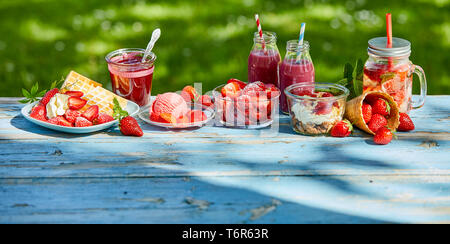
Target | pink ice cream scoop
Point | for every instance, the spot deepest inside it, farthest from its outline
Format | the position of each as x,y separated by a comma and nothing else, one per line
171,103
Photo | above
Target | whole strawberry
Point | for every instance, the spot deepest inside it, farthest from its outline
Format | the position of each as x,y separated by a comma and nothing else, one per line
130,127
342,129
48,96
127,124
377,122
381,107
367,112
406,123
383,136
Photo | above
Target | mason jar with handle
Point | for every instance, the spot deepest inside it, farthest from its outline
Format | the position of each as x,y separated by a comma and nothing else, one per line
390,70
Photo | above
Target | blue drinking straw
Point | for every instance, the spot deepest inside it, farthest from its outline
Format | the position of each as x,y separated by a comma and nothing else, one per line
300,41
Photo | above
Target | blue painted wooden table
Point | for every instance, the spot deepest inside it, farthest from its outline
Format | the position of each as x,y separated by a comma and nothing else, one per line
222,175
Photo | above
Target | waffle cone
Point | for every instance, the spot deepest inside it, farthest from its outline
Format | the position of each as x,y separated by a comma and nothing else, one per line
353,111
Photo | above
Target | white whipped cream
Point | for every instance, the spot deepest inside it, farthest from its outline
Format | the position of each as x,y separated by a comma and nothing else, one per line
57,105
306,115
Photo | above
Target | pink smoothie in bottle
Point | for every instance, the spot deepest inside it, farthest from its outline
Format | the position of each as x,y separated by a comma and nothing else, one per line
263,64
293,71
130,77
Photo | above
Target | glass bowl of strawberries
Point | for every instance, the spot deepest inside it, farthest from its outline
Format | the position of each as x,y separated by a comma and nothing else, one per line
315,108
243,105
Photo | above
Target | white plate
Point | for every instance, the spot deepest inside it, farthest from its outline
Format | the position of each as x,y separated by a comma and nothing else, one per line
144,114
132,109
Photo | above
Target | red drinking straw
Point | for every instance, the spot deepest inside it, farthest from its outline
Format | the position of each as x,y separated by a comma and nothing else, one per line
389,35
258,24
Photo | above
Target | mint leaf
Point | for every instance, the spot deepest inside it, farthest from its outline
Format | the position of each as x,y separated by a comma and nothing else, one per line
358,74
26,93
118,112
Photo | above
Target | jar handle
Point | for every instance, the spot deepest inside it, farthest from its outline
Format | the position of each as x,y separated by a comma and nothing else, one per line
423,86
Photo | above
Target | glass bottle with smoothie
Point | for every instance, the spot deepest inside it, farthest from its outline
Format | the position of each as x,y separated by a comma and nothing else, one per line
263,63
390,70
130,77
295,70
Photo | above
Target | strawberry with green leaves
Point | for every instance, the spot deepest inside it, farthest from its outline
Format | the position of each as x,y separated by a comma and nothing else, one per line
342,129
383,136
127,124
381,107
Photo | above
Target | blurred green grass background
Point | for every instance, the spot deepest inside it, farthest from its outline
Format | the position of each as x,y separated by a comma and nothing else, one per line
208,41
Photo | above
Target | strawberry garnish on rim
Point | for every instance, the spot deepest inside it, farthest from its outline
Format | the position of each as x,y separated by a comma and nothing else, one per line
193,94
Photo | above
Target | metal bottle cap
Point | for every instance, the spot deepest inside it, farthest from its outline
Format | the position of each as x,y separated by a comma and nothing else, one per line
400,47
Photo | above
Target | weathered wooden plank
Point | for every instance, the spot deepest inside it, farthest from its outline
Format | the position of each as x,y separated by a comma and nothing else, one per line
356,199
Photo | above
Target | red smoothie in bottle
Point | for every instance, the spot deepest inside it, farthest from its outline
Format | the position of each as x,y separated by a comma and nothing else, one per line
263,66
263,62
130,77
292,72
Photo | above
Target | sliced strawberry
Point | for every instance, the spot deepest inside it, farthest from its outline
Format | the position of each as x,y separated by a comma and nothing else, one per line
91,113
197,116
231,90
48,96
103,118
241,83
63,122
323,108
192,92
82,122
76,103
54,121
206,100
39,112
74,93
168,118
72,115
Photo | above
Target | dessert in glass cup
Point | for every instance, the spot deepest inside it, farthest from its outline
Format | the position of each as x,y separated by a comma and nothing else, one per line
315,108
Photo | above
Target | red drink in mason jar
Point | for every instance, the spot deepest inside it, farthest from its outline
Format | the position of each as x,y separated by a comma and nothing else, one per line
130,77
389,70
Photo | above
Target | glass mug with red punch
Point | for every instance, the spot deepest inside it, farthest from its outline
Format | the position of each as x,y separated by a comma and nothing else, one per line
131,77
390,70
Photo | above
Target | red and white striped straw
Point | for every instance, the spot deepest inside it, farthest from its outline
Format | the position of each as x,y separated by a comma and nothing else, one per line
258,23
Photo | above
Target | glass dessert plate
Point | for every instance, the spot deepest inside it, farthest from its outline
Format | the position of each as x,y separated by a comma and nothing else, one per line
132,109
144,114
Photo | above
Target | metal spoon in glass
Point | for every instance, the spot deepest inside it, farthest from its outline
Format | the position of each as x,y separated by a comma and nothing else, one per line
155,36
